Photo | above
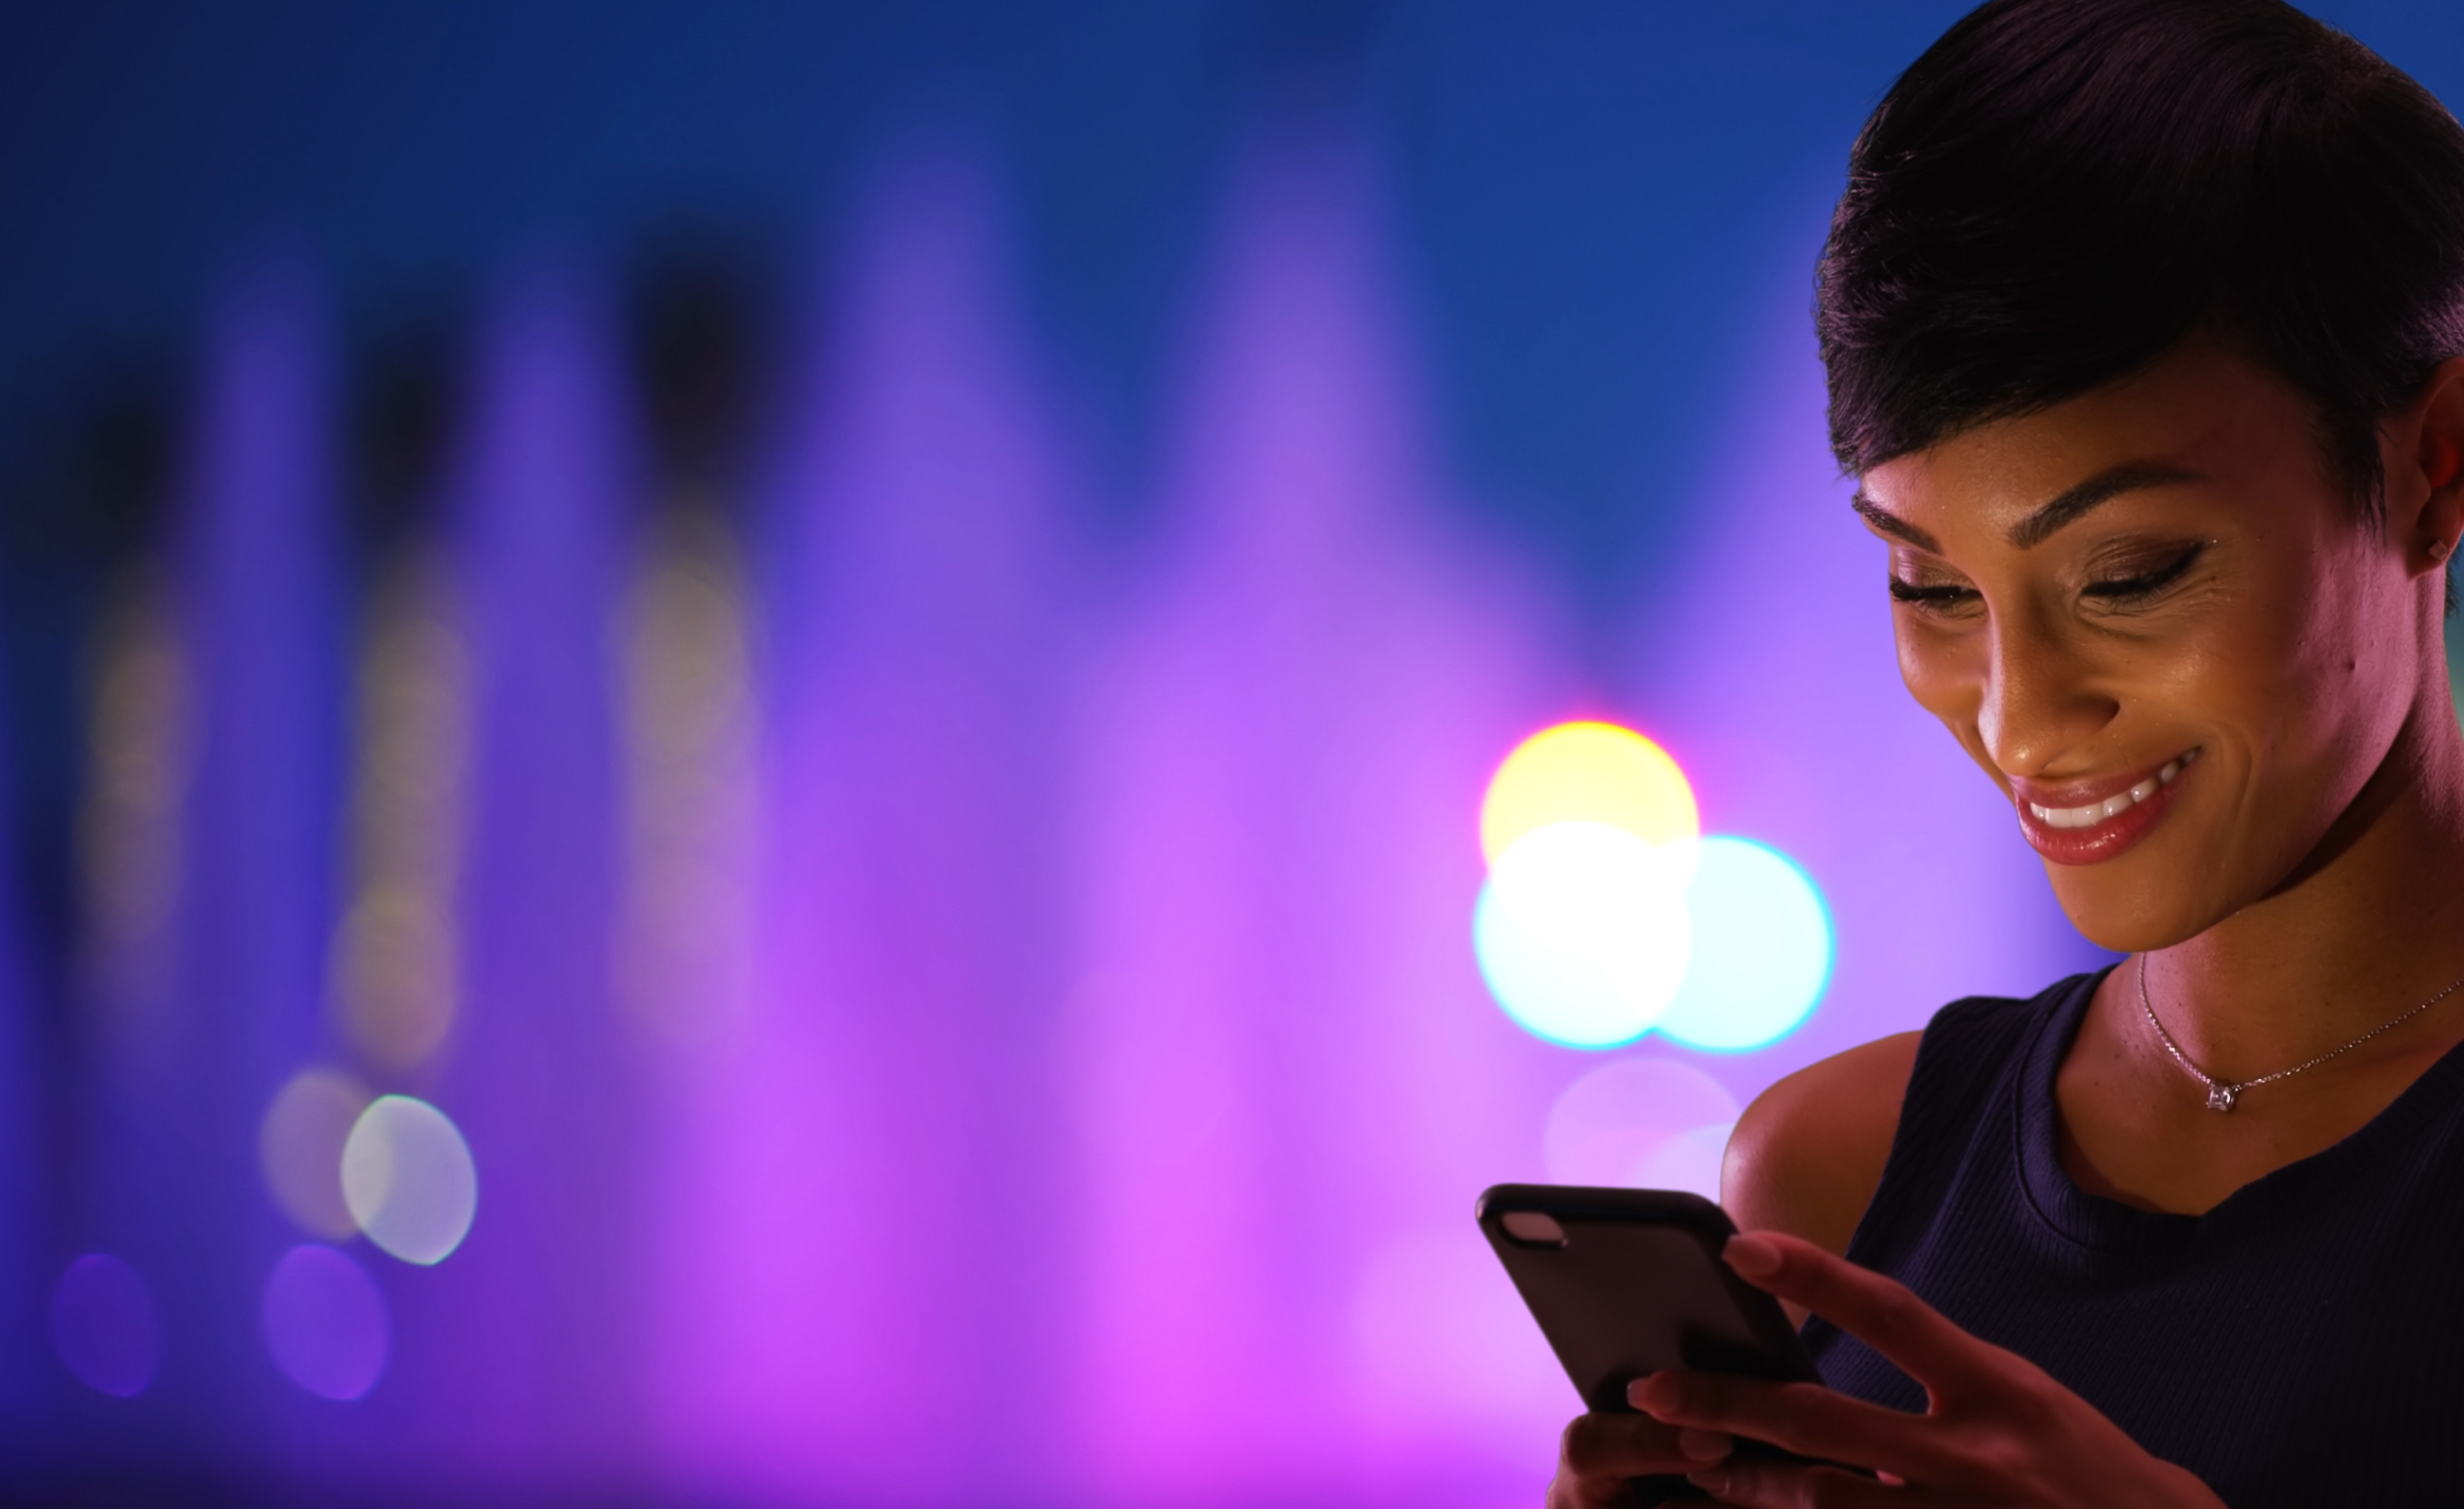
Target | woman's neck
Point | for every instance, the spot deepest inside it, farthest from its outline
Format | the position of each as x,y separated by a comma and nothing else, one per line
2366,928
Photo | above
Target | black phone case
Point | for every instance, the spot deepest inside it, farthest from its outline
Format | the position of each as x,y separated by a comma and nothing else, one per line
1638,1286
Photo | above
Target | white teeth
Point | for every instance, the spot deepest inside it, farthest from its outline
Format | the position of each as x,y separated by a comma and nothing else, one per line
2095,813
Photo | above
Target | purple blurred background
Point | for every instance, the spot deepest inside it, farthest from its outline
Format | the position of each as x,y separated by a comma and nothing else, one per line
866,639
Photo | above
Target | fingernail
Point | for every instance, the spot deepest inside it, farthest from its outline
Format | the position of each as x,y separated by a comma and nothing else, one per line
1704,1445
1710,1479
1635,1390
1752,1256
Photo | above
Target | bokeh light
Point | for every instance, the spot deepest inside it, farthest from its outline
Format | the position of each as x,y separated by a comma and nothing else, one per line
1582,933
682,946
395,962
325,1323
299,1148
131,823
1762,949
1689,1161
408,1179
1587,772
1616,1125
393,973
1607,914
103,1324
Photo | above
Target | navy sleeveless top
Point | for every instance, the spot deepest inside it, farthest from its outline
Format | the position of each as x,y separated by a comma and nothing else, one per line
2296,1346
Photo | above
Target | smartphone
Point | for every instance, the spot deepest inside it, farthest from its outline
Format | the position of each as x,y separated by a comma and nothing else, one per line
1627,1282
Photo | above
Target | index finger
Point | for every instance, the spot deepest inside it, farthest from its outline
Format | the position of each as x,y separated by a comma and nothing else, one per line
1880,1312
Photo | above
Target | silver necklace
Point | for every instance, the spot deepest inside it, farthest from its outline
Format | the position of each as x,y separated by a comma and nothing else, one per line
2222,1096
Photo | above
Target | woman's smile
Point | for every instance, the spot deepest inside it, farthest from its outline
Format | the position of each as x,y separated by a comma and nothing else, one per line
2092,819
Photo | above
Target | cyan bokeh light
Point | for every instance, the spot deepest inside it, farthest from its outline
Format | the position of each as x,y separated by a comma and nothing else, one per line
1762,949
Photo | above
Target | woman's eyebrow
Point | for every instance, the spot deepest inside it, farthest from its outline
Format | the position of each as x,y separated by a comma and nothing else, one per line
2074,502
2036,528
1891,524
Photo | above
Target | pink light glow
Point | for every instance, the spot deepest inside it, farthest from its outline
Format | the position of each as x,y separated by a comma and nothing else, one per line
865,1233
1113,1029
1285,1061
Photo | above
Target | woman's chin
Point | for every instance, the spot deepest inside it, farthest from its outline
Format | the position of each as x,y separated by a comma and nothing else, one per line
2131,912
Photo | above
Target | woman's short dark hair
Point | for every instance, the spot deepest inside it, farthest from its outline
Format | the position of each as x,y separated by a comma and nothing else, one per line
2060,192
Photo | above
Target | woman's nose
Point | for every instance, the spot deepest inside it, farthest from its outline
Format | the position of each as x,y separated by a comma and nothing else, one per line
2041,699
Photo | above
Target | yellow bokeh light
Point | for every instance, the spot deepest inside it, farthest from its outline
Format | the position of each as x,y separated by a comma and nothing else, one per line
1588,773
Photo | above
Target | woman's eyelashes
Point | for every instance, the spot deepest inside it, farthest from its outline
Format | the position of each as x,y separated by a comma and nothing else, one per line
2135,587
1933,595
2122,586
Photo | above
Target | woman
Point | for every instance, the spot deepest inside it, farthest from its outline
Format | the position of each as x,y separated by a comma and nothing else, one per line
2143,322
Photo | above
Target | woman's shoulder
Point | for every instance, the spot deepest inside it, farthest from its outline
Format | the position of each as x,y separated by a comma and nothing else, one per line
1807,1155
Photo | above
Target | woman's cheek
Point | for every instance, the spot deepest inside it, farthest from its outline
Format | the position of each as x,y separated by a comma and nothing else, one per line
1936,667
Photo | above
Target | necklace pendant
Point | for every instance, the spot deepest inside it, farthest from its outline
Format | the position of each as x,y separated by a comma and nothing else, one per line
2220,1097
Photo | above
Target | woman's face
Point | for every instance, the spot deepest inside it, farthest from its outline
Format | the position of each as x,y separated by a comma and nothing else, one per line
2161,625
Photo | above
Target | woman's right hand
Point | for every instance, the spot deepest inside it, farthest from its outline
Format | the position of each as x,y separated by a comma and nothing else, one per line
1600,1453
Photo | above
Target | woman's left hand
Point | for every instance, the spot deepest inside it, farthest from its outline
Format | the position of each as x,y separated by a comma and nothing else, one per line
1997,1430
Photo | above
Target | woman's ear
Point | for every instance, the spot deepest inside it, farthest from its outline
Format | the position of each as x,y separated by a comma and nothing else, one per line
2426,480
2440,458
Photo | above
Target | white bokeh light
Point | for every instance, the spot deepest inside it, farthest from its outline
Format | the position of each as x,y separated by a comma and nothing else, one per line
1581,932
408,1179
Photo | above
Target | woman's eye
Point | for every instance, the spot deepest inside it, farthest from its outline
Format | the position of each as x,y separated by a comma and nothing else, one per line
2140,586
1932,597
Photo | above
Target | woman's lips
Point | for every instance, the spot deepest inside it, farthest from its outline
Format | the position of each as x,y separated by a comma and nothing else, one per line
2086,822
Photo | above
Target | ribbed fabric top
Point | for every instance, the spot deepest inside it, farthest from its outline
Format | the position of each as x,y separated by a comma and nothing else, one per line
2296,1346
